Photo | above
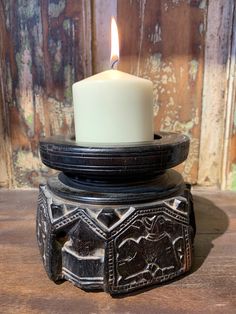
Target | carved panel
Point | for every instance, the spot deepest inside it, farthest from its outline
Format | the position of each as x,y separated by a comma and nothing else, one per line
154,246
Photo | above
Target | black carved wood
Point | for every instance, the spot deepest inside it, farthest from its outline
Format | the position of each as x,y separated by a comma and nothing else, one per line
117,249
115,235
132,161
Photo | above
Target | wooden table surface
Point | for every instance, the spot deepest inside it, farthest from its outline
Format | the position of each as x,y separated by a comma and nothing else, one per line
209,288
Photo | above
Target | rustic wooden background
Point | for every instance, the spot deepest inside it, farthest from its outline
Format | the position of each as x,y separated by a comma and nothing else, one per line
186,47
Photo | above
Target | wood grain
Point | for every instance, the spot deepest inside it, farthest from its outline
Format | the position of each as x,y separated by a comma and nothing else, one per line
214,105
209,288
46,47
232,152
103,10
5,145
229,166
164,42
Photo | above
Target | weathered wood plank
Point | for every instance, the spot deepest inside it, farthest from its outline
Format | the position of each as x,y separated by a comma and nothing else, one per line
47,47
232,150
164,41
5,146
103,10
229,158
217,56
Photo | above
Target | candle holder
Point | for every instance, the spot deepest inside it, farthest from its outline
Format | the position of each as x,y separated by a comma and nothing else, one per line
115,218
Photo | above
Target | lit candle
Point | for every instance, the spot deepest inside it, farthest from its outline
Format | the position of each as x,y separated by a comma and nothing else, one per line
113,107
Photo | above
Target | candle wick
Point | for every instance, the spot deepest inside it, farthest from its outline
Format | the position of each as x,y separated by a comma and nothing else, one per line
114,63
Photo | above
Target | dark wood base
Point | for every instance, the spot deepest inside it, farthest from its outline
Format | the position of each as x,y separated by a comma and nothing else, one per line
116,246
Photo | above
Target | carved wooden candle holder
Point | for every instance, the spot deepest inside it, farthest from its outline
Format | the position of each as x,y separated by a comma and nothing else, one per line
115,218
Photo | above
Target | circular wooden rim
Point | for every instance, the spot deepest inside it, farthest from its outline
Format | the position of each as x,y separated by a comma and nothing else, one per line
167,150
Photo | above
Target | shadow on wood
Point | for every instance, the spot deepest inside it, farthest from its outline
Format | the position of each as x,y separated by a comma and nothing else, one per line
211,223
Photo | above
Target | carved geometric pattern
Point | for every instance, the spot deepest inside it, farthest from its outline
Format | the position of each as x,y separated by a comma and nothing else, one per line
43,227
115,249
108,217
48,247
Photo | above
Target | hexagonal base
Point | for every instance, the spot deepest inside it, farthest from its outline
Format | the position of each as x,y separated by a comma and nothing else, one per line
115,248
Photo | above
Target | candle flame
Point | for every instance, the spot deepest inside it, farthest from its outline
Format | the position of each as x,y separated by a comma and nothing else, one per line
114,43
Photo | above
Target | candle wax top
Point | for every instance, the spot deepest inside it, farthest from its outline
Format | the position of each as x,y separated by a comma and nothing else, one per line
112,75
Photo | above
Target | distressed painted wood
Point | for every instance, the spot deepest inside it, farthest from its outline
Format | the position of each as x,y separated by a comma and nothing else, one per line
229,157
164,42
5,146
101,35
232,160
46,46
214,104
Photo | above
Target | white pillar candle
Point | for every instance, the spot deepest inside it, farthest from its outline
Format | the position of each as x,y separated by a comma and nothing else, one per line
113,107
